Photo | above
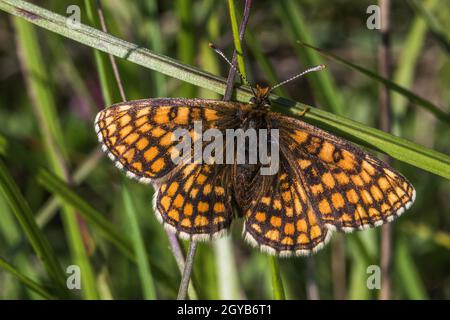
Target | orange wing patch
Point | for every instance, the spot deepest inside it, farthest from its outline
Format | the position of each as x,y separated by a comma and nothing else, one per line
196,215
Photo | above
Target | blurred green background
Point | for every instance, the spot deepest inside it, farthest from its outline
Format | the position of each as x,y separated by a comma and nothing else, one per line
52,87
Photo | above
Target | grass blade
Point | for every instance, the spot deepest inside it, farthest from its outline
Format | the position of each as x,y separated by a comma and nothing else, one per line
44,108
407,272
411,49
277,283
321,82
55,185
22,211
59,188
145,275
235,31
437,30
25,280
440,114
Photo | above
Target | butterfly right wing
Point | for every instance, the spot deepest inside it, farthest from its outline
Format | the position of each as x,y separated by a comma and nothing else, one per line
139,135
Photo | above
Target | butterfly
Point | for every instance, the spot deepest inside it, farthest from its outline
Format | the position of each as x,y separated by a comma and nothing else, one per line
324,183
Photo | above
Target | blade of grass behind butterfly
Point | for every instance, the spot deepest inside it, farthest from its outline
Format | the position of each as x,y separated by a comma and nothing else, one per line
404,73
35,236
439,32
145,274
10,232
186,41
435,110
3,144
156,42
228,286
101,60
277,283
363,251
406,151
43,102
34,286
290,14
406,271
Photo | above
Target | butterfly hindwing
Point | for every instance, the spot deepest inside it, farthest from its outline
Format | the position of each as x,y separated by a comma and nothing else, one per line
195,202
282,220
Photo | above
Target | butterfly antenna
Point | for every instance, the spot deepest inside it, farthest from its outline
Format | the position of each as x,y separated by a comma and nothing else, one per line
244,79
317,68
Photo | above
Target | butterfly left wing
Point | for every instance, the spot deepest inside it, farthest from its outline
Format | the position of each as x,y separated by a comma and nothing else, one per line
139,135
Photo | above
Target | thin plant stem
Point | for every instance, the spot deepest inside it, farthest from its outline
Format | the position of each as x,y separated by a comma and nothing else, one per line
111,57
184,285
385,70
338,267
178,254
232,73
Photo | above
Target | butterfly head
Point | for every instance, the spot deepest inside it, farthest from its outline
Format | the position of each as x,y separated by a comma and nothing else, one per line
260,100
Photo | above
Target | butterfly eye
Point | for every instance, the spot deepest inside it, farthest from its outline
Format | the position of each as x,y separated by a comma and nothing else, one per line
252,100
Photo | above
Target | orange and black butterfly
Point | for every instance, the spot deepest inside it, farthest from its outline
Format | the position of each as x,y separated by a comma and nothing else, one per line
324,183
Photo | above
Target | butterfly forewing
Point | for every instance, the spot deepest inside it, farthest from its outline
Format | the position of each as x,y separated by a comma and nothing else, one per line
349,189
139,135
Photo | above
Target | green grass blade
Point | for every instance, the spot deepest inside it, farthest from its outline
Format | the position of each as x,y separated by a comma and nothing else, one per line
264,63
440,114
44,107
398,148
235,31
322,84
438,31
3,145
145,275
36,238
411,49
155,39
186,41
95,218
277,283
34,286
407,272
108,230
101,59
